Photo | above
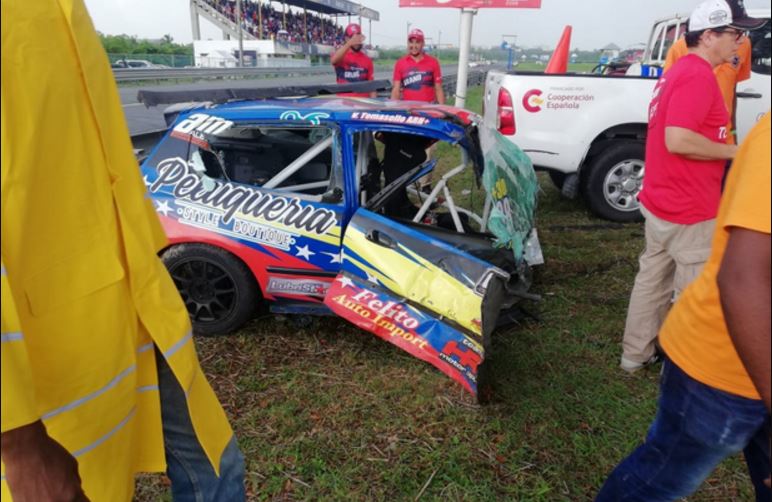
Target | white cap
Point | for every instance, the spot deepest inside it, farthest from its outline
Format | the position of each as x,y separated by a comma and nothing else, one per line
710,14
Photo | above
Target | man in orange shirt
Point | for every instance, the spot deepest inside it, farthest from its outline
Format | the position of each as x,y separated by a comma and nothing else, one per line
715,388
729,74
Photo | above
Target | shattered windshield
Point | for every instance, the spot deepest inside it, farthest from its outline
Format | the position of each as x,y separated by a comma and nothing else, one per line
509,179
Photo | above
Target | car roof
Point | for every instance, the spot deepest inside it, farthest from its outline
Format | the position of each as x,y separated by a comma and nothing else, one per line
345,109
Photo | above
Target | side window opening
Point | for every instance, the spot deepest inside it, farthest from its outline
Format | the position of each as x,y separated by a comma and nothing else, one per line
666,35
435,182
302,160
761,55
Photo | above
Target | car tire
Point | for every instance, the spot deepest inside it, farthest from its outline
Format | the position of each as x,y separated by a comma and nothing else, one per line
218,289
612,180
557,178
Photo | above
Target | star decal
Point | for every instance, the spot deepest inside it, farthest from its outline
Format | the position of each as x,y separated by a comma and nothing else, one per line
334,257
163,207
304,252
371,278
345,281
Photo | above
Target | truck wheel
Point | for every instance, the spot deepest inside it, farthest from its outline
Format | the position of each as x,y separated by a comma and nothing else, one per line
219,291
614,179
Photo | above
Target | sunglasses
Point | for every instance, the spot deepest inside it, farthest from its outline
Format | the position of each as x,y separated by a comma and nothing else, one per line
738,34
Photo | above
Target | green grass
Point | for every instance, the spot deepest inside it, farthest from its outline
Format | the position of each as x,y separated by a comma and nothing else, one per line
330,412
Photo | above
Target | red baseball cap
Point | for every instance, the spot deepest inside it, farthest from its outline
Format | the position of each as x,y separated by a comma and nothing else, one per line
416,34
353,29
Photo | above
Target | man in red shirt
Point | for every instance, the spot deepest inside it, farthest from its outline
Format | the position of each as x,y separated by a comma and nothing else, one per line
417,76
730,73
351,63
686,150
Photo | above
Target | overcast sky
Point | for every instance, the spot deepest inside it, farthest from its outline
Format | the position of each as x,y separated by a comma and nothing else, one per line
595,22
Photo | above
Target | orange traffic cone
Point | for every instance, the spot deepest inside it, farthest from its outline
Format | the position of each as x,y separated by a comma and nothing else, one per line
559,61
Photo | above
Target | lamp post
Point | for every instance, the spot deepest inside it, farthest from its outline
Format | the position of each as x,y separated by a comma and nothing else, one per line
465,42
241,33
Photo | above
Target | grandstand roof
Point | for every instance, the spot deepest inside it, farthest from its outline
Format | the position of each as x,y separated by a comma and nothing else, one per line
335,7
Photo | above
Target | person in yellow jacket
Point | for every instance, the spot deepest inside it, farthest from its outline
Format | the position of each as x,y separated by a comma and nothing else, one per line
100,378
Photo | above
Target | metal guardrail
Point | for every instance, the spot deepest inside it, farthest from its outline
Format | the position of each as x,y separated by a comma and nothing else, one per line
136,74
129,74
475,76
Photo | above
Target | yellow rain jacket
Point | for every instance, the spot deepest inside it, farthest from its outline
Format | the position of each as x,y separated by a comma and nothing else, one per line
84,295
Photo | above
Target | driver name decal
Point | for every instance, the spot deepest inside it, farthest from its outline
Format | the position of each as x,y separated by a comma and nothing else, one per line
390,118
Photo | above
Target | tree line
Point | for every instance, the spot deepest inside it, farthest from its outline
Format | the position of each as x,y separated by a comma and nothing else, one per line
125,44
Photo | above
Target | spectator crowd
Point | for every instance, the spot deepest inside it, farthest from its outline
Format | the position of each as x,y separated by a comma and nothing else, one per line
265,22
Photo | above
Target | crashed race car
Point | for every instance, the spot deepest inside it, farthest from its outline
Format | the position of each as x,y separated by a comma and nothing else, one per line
313,206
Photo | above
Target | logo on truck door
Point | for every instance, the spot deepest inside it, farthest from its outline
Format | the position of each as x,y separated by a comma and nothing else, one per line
532,100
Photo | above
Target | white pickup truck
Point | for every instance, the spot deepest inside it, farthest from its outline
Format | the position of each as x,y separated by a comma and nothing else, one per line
589,130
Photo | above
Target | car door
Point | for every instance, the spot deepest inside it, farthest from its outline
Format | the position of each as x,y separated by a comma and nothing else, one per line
422,294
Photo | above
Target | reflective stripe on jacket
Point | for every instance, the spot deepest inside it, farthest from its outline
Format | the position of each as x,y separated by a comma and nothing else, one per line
88,295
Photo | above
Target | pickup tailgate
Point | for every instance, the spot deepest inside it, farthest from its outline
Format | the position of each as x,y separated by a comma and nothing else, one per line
558,116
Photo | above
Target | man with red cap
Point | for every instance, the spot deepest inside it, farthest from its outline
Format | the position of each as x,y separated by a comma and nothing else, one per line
417,76
351,63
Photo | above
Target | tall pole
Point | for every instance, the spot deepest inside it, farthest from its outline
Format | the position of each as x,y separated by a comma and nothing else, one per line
241,34
259,20
465,42
195,24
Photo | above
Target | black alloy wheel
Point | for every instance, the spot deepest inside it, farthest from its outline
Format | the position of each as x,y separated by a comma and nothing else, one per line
218,290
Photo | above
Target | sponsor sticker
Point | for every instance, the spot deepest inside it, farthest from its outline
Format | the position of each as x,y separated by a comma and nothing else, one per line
238,211
198,125
314,118
287,286
557,98
408,328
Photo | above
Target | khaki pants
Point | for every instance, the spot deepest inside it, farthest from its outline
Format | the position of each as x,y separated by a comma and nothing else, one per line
673,258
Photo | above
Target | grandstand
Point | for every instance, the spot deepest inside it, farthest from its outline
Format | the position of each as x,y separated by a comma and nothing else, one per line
273,31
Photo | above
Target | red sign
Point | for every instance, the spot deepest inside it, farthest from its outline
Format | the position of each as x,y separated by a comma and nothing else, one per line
473,4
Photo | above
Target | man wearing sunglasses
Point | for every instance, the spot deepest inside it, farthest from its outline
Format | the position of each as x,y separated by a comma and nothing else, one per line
732,72
687,149
714,390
